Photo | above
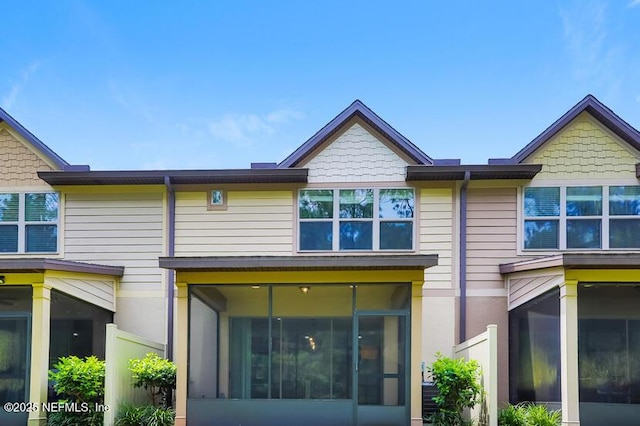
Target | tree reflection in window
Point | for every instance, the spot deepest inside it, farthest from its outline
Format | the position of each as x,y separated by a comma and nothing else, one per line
316,204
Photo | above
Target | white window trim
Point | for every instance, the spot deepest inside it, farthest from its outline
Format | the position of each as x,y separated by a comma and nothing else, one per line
562,218
376,220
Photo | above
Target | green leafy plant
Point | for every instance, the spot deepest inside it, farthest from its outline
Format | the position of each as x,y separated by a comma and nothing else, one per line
526,414
147,415
79,382
538,415
155,374
71,418
458,387
512,415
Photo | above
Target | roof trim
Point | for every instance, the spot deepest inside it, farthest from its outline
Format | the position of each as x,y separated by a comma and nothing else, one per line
33,140
477,172
576,261
357,108
177,177
599,111
45,264
298,263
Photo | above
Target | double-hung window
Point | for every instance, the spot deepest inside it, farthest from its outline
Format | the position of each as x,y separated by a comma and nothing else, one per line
29,222
361,219
581,217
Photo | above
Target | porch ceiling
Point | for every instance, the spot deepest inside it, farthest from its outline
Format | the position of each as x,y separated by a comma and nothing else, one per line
299,263
576,261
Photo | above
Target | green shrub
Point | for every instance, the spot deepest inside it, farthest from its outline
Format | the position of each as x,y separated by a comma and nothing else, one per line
528,415
79,382
148,415
155,374
512,415
61,418
538,415
458,386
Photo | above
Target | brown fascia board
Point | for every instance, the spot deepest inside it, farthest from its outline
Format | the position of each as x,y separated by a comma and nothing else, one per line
357,108
45,264
476,172
576,261
299,263
33,140
594,107
175,177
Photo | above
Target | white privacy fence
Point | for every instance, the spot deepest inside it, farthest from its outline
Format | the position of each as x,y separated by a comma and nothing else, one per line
120,348
484,349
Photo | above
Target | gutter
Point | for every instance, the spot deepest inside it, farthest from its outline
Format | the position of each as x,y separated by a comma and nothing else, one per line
171,240
463,256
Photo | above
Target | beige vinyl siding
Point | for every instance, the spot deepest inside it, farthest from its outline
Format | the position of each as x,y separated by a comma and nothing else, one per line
255,223
98,292
120,229
526,288
492,224
436,234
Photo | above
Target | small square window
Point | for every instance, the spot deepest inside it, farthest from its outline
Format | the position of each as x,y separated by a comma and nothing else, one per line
216,200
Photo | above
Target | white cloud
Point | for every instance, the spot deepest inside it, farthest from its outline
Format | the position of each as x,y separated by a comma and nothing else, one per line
244,129
9,99
286,115
634,3
596,56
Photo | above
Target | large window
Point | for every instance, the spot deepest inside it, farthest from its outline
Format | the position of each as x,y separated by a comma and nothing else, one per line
77,328
296,342
29,222
15,341
534,350
581,217
356,219
609,343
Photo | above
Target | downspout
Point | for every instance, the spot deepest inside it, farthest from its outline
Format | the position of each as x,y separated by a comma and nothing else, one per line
463,256
171,239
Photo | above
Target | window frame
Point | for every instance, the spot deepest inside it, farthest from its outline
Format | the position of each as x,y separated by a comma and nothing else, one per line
605,218
22,223
336,220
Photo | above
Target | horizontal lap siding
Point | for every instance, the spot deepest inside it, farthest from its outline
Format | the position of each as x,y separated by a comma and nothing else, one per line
255,223
436,234
97,292
522,290
491,235
117,229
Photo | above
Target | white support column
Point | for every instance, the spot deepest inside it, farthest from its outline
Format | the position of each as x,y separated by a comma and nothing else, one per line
569,353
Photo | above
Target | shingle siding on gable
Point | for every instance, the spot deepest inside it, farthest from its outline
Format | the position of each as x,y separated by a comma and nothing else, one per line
19,164
356,156
584,150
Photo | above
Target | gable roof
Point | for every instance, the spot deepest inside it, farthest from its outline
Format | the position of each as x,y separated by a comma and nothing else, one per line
34,141
357,108
594,107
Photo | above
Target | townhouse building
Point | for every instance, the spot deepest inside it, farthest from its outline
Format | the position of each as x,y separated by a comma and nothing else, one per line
312,291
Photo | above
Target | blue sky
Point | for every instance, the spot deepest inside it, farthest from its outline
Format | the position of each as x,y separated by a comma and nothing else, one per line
220,84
